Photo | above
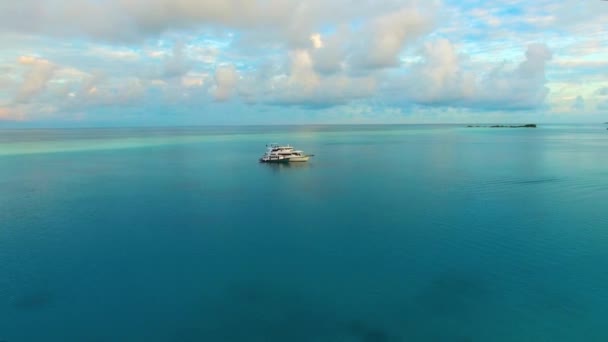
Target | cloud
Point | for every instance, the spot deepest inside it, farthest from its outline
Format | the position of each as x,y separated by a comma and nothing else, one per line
382,42
193,80
468,58
11,114
602,91
330,52
304,86
302,76
324,43
7,82
176,64
602,105
39,72
568,14
111,92
122,20
316,40
48,89
440,77
522,88
131,20
444,77
579,103
331,91
119,54
226,79
486,17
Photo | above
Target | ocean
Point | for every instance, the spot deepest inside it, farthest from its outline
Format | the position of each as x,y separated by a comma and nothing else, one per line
389,233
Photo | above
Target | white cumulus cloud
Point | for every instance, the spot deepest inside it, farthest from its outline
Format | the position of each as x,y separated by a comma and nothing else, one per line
226,79
444,77
38,73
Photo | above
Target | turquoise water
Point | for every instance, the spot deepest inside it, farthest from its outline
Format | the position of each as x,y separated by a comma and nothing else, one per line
390,233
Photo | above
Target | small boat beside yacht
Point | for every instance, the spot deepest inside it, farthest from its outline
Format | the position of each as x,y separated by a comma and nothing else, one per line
276,153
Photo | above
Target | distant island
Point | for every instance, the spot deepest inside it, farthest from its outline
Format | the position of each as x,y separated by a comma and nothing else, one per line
506,126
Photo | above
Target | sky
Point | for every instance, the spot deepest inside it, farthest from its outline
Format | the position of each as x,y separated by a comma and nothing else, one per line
67,63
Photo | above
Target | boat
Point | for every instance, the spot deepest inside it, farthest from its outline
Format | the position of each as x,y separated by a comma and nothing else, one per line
298,156
272,158
276,153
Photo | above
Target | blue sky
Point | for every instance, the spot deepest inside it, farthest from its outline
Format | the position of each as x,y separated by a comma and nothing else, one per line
183,62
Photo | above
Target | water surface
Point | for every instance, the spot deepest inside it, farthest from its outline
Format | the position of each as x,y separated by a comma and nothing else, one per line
390,233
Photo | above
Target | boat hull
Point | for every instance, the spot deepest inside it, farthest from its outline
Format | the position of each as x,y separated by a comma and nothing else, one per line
299,159
274,161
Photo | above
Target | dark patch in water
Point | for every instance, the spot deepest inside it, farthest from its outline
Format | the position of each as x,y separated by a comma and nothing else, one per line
375,336
271,313
33,301
453,292
261,313
451,300
365,333
554,301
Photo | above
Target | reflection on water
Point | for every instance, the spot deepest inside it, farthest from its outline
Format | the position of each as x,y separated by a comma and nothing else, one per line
288,166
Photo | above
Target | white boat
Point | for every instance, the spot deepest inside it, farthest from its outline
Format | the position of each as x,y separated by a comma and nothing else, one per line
276,153
270,158
298,156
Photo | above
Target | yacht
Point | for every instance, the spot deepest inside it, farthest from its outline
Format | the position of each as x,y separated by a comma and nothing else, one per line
276,153
298,156
273,158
